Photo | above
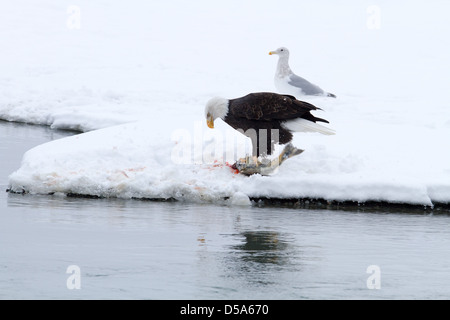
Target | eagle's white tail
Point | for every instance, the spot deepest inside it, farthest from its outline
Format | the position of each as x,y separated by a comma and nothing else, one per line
302,125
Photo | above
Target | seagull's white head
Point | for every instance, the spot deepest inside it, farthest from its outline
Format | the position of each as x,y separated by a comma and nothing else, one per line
282,52
216,108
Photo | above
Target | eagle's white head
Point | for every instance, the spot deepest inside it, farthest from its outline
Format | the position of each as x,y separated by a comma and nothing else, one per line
216,108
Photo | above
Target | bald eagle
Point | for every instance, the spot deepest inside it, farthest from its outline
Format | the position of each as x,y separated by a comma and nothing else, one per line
266,118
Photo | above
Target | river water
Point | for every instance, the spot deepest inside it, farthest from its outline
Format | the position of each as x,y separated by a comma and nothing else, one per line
53,247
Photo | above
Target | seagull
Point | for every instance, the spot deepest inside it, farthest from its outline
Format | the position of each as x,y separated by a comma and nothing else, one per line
288,82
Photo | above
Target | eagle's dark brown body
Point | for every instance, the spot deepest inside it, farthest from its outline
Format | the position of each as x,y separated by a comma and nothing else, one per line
260,116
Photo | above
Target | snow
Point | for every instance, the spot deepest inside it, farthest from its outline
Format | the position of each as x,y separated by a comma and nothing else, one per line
135,77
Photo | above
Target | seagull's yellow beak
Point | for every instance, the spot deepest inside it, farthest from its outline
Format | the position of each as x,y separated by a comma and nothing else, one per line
210,121
272,52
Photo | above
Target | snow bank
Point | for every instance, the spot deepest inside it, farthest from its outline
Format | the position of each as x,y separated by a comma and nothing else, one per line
146,160
142,74
137,160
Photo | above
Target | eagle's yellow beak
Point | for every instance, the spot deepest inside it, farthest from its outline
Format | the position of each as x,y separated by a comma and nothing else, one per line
272,52
210,121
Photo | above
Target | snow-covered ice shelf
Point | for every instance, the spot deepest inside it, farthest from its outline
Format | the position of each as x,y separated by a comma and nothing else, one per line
136,83
144,160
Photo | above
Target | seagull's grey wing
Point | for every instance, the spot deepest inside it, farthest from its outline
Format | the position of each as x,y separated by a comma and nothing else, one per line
307,87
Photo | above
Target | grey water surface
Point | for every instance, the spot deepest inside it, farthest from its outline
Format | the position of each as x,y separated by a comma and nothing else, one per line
54,247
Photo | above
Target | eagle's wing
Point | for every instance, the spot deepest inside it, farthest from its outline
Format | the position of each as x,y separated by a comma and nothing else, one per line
268,106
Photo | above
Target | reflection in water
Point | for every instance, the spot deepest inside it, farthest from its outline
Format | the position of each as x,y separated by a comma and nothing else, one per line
263,247
248,261
262,258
